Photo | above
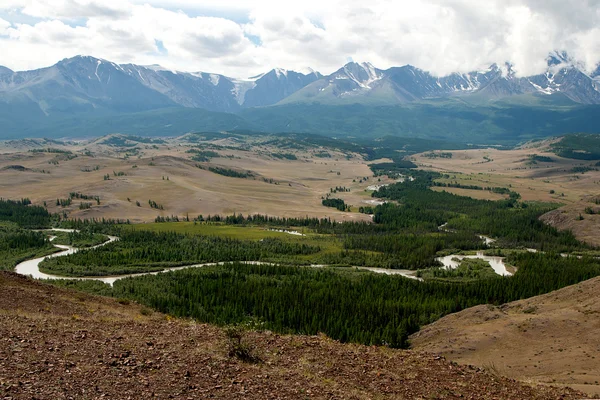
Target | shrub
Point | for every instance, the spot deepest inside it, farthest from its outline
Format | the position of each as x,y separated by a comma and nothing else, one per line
236,345
146,311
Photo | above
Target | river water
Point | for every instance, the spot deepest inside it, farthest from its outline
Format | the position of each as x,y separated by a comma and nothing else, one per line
31,267
497,263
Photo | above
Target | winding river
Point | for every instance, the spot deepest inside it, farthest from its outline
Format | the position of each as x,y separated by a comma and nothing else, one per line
32,267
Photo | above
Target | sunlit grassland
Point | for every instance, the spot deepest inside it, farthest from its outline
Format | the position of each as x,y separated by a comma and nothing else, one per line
329,244
79,241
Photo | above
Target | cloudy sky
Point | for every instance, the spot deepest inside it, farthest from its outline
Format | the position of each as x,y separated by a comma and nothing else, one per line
242,38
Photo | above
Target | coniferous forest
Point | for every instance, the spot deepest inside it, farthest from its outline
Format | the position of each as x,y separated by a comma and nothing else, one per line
347,305
25,215
17,243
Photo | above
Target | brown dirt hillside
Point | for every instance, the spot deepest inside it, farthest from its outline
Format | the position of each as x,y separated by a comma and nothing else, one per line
582,218
58,344
553,338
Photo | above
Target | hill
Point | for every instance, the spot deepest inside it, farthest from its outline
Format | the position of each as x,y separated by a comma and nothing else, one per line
57,343
445,120
553,338
580,217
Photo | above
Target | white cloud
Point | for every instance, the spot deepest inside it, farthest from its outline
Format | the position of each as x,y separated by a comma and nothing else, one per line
4,25
215,35
72,9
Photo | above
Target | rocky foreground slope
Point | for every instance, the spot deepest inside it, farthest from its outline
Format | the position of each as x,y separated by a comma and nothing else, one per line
56,343
553,338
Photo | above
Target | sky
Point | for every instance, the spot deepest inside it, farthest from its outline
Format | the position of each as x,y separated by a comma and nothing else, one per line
241,38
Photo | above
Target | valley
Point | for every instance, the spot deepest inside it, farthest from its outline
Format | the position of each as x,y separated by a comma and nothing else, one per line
323,226
535,171
291,181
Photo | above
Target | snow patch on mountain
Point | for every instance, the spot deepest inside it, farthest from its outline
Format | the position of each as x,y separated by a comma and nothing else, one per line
96,72
214,78
372,73
241,87
546,90
281,72
356,73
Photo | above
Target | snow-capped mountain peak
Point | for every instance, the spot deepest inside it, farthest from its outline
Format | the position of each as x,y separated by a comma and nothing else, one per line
558,58
282,73
363,74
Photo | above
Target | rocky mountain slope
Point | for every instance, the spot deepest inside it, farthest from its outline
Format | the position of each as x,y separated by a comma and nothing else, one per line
56,343
553,338
5,71
78,85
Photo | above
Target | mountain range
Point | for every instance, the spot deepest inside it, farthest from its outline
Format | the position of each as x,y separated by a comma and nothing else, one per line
84,83
365,83
84,90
